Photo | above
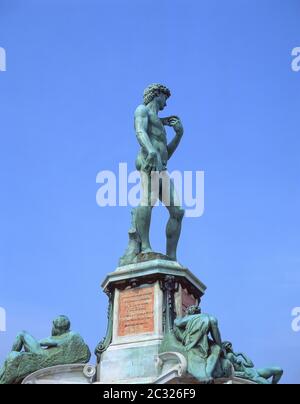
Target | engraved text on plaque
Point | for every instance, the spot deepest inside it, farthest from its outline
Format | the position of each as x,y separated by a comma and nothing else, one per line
136,311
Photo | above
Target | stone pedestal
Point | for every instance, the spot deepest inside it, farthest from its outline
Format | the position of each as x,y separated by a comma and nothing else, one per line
144,300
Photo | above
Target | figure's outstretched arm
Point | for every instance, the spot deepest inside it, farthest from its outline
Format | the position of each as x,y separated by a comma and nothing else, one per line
174,122
247,361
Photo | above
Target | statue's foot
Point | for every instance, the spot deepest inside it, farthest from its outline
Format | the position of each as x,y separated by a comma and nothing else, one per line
171,254
146,250
208,380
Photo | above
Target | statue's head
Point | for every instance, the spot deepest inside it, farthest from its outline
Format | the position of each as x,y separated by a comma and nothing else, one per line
158,92
227,346
61,325
192,310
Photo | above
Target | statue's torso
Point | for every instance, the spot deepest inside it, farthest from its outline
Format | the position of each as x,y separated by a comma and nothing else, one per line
196,333
158,137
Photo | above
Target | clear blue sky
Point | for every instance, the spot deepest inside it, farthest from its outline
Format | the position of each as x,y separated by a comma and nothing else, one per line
75,73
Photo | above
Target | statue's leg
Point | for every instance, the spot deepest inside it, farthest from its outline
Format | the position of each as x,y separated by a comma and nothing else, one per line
26,341
144,211
227,367
143,219
212,360
134,244
170,199
267,373
215,331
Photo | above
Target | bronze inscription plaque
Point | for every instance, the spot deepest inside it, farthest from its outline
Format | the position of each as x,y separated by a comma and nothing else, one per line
136,311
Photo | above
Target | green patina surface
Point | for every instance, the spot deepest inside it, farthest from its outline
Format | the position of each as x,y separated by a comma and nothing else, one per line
29,355
244,367
198,338
151,162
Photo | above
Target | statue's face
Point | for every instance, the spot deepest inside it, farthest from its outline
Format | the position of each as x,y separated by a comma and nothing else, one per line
228,348
162,101
193,310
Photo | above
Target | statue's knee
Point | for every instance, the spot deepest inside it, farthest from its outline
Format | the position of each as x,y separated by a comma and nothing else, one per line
143,211
214,321
278,371
177,213
181,213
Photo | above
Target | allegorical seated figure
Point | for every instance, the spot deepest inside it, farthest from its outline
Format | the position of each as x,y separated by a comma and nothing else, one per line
244,368
200,336
29,355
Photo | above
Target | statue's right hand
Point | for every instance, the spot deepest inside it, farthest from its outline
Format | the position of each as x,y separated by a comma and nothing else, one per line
150,163
153,162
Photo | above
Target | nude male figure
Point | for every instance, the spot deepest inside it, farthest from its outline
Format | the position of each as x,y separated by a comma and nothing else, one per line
151,162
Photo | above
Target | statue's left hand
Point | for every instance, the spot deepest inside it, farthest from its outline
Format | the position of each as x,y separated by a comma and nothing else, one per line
175,122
